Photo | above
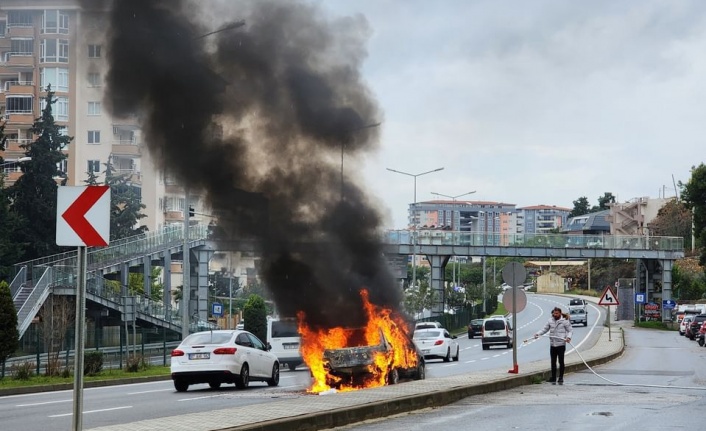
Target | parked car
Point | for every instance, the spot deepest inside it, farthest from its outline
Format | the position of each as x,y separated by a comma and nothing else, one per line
223,356
353,364
496,331
475,327
695,325
684,323
427,325
701,334
437,344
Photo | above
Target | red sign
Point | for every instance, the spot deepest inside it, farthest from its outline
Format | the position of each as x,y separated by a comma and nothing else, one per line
608,297
83,216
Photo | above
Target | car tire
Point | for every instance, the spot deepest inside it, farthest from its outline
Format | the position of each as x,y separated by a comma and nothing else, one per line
180,385
447,358
292,366
393,377
458,354
701,342
421,373
243,379
274,380
486,347
470,335
585,323
214,385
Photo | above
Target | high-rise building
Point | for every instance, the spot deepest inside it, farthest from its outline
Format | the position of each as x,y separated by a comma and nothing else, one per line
541,219
57,43
464,215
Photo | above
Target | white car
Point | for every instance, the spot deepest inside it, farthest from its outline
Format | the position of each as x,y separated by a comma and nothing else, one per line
427,325
225,356
684,323
436,343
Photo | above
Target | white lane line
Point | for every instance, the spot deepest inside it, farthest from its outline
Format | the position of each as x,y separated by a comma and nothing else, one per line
44,403
470,362
200,398
91,411
149,392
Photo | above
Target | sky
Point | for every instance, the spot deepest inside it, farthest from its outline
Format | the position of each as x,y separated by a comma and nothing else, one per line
532,102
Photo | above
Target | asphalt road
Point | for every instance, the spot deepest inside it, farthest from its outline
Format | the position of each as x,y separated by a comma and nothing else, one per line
128,403
658,383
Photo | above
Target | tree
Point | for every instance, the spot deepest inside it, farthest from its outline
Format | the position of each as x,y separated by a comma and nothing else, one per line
33,196
136,284
673,219
580,207
125,203
694,196
10,250
255,316
56,318
603,202
9,335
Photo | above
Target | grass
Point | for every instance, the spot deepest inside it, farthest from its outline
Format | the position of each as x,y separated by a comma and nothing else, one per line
10,382
658,325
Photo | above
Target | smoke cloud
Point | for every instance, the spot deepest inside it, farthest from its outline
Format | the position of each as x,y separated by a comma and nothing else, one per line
255,118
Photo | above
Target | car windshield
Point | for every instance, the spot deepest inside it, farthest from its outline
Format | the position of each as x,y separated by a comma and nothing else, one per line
427,334
281,329
477,322
576,311
494,325
207,338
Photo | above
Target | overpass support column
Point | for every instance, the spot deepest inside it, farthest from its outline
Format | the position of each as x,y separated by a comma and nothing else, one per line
666,286
147,275
438,265
167,280
200,280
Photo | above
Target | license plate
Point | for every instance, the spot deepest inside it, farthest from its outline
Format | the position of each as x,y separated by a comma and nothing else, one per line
425,351
290,346
199,355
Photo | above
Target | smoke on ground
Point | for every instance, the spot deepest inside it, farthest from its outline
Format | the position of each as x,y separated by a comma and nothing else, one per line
256,119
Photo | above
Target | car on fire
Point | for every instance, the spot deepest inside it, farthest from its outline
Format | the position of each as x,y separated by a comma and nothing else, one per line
223,356
356,364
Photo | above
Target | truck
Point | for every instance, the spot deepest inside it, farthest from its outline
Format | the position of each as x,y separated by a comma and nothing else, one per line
578,311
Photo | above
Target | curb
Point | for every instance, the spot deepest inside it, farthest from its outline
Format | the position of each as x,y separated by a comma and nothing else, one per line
69,386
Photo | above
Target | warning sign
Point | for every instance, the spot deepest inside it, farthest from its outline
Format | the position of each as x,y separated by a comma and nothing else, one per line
608,297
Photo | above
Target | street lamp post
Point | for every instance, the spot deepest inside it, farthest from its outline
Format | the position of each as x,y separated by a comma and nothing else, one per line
414,217
454,228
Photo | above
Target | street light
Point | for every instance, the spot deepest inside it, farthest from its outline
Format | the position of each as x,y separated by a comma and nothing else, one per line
343,144
414,216
453,227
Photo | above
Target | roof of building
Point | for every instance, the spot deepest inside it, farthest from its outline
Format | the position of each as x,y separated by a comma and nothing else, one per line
544,207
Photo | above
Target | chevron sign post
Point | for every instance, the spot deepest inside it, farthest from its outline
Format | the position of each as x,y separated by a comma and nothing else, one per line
82,220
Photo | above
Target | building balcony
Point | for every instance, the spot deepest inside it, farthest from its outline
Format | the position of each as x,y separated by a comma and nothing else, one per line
19,118
173,216
5,43
17,59
19,31
18,87
174,189
131,175
126,148
13,145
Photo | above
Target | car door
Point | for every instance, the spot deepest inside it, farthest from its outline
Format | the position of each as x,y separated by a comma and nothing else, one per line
264,365
249,352
453,345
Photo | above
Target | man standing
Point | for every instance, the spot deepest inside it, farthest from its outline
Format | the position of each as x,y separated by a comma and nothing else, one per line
560,333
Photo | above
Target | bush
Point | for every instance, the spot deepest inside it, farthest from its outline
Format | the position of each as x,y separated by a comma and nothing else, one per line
135,363
23,371
92,363
53,367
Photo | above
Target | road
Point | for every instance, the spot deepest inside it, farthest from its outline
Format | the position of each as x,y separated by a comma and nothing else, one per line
128,403
658,383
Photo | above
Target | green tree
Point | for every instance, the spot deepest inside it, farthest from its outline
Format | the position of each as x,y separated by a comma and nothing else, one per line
694,196
9,335
417,299
255,316
673,219
581,207
33,196
125,203
603,202
10,250
136,284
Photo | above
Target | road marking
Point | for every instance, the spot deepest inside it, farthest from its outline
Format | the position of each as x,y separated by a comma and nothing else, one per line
148,392
470,362
85,412
200,398
44,403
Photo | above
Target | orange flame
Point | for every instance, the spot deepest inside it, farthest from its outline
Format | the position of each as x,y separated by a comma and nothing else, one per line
379,319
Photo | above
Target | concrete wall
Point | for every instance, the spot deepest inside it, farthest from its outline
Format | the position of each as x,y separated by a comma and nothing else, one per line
550,283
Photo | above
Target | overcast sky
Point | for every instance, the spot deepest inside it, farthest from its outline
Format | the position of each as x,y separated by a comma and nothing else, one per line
533,102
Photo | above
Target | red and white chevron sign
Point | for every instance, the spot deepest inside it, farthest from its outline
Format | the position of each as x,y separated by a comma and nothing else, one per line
83,216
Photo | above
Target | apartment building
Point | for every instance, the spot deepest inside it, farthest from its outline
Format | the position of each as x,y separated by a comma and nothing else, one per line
541,219
464,215
57,43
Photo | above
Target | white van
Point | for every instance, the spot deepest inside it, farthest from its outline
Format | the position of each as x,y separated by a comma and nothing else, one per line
284,338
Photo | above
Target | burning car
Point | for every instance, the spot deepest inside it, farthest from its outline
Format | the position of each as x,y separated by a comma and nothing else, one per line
363,362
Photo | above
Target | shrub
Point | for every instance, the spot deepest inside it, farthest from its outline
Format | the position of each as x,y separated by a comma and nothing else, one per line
23,371
135,364
92,363
53,367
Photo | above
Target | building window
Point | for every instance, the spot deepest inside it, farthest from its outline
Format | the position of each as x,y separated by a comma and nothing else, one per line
55,21
94,51
60,108
54,51
19,105
94,79
19,18
94,108
3,28
57,77
22,46
94,136
94,166
63,166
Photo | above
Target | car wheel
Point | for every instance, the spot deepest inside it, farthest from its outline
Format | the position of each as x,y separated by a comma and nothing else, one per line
486,347
447,358
274,380
421,371
470,335
458,354
243,379
180,385
393,377
701,342
214,385
292,366
585,323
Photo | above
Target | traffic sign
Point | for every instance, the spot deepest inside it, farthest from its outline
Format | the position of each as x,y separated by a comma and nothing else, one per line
83,216
608,297
520,300
216,309
669,304
640,298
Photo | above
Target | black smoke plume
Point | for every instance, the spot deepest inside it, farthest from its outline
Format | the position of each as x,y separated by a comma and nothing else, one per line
256,117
